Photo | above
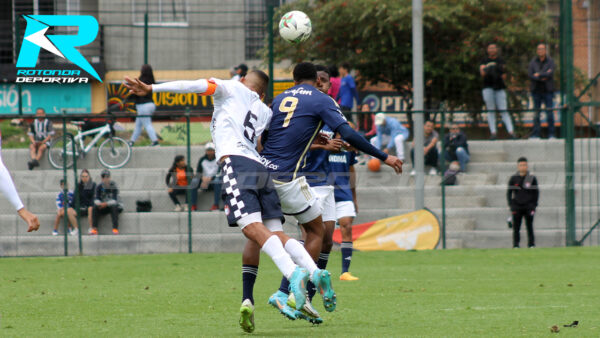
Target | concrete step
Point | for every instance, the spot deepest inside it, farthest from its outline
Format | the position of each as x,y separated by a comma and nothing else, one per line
141,157
45,202
491,239
121,244
132,223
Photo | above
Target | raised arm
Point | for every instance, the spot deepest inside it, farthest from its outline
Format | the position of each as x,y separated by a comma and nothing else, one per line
202,87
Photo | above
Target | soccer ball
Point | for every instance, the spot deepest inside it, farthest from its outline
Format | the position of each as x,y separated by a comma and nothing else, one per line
295,27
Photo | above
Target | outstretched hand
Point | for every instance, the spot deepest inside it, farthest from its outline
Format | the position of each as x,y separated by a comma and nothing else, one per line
137,87
31,219
395,163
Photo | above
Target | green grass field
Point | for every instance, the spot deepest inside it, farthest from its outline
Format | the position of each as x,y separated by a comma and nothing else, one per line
435,293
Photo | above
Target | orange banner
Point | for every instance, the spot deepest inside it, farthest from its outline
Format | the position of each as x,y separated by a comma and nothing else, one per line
418,230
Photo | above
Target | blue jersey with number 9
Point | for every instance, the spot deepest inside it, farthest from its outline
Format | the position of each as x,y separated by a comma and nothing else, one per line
298,115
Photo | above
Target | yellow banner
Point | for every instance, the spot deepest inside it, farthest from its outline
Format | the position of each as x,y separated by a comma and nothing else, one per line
418,230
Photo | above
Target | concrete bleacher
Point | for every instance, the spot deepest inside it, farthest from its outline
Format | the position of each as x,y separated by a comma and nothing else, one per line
476,209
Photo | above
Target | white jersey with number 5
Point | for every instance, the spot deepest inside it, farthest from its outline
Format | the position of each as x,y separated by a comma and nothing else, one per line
239,116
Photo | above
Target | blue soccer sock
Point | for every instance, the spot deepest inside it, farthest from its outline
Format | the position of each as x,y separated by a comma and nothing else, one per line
346,256
321,264
249,273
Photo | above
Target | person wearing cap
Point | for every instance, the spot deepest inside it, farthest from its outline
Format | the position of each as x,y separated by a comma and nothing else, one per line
208,177
67,206
240,71
390,134
106,202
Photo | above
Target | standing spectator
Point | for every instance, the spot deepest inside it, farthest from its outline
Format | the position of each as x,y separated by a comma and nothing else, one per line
177,180
523,195
145,108
457,148
334,79
239,72
207,176
493,72
347,92
40,132
541,73
430,150
107,201
87,190
390,134
69,206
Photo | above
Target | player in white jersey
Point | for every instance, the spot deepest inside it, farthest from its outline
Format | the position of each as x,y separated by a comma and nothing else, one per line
250,198
7,187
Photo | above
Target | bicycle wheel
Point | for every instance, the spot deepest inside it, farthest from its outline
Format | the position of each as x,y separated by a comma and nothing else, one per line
57,155
114,152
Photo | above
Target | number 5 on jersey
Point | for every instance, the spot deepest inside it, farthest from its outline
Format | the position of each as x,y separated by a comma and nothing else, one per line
288,105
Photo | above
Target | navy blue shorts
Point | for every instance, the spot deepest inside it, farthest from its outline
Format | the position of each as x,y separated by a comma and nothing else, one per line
247,189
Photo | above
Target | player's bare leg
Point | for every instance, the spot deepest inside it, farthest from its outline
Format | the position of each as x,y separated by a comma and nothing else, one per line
272,245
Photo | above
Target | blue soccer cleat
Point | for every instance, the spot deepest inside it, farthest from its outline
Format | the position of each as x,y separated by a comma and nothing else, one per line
279,300
322,280
298,282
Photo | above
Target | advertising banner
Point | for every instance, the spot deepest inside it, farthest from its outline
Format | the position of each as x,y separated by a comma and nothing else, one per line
418,230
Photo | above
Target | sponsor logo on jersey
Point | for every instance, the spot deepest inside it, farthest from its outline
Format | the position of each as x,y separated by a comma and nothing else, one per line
337,158
268,163
298,91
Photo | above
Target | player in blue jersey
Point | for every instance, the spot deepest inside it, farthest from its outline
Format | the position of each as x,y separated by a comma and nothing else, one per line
251,203
299,113
341,167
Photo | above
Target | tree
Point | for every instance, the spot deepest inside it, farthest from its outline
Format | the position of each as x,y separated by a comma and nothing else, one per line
374,36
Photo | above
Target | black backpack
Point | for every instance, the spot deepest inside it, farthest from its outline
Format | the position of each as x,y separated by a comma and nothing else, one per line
143,206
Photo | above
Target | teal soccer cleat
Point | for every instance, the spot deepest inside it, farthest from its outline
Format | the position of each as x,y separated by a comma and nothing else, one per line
279,300
322,279
298,283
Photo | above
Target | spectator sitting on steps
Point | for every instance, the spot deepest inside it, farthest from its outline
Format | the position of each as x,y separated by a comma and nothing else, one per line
457,148
177,180
207,177
430,139
87,191
69,206
107,201
390,134
40,133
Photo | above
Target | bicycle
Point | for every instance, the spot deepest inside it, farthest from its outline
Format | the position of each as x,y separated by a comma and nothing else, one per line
113,153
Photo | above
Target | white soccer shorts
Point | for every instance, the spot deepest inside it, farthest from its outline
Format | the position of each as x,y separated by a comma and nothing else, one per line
325,195
298,199
345,209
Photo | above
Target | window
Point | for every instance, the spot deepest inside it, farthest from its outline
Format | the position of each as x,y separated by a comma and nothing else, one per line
160,12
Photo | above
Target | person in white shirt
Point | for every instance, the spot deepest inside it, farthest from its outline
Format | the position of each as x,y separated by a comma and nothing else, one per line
251,201
7,187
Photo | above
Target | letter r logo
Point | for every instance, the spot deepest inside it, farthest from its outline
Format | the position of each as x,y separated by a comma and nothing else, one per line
61,45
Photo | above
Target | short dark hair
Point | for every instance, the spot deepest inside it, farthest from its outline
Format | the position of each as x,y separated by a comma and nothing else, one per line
62,181
522,159
305,71
321,68
346,66
333,71
105,173
264,79
40,108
